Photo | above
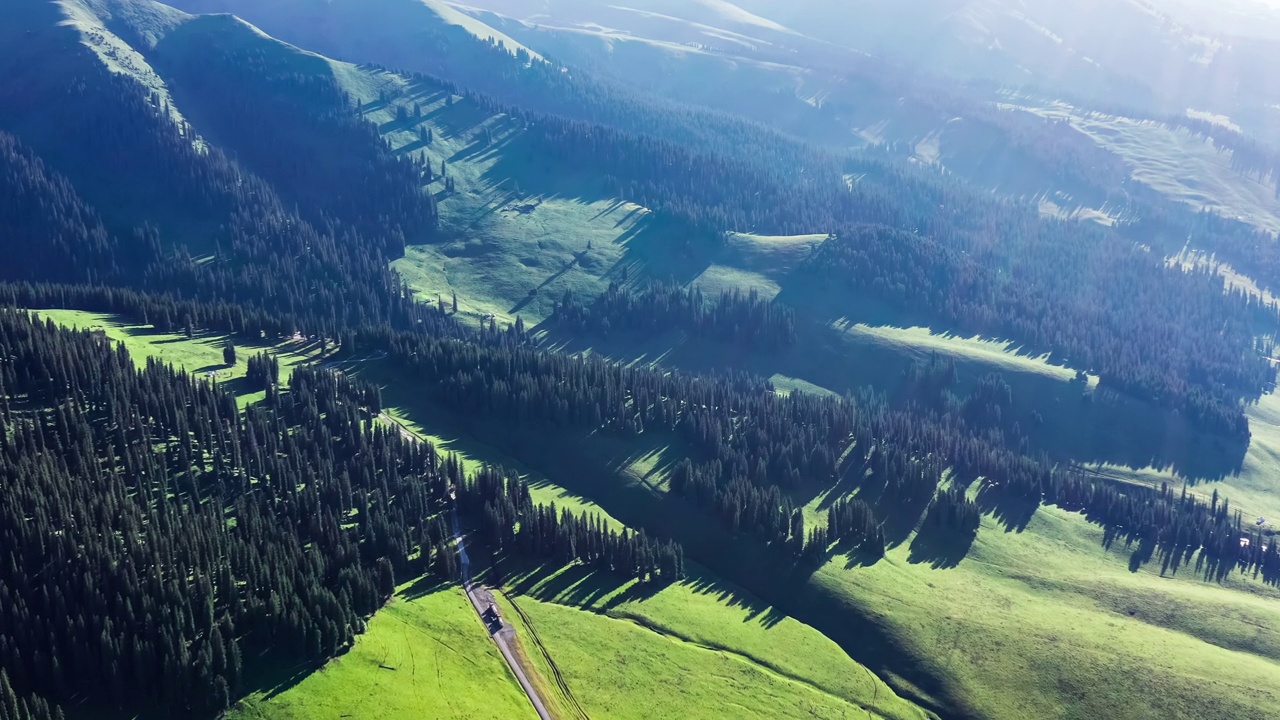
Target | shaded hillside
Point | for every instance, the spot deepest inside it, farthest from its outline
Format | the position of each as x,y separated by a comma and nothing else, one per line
222,231
823,373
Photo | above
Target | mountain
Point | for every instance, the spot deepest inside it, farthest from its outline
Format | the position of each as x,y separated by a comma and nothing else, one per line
1112,52
860,359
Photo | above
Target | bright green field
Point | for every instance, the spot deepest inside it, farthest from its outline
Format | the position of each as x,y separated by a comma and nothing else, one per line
619,668
445,667
700,649
715,651
199,355
1045,622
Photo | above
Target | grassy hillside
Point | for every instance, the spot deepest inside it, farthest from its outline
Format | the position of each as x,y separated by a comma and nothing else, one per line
200,355
1177,164
656,644
518,231
425,655
1039,619
1046,623
719,652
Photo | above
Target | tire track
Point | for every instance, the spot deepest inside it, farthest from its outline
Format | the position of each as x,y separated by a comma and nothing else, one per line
546,655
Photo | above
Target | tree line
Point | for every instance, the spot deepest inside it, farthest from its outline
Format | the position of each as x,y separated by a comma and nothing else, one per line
1149,340
734,316
161,545
511,521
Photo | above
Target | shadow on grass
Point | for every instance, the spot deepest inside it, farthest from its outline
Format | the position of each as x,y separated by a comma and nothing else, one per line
600,591
264,675
1012,511
940,548
422,587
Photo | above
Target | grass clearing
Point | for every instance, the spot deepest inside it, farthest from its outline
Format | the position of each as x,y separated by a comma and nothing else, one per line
1251,488
199,355
518,230
444,664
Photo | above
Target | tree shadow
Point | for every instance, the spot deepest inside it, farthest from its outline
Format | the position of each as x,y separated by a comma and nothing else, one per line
422,587
856,554
458,118
1012,511
265,676
941,548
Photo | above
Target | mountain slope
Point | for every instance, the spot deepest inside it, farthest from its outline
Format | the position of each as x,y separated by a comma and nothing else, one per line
857,385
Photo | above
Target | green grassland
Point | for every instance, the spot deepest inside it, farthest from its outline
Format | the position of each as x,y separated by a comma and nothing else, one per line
444,664
738,656
1044,621
700,648
199,355
518,231
621,668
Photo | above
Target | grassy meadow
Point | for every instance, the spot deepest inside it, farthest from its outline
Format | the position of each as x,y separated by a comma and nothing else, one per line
1047,623
714,650
703,648
444,664
519,231
1179,165
1042,621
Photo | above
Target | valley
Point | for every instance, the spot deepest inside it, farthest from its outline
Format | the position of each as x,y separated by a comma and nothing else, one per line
769,374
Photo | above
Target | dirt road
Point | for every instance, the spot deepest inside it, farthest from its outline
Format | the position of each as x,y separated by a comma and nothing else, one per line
503,634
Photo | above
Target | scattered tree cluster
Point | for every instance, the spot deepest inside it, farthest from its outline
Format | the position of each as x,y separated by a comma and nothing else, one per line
953,512
512,522
263,372
735,317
